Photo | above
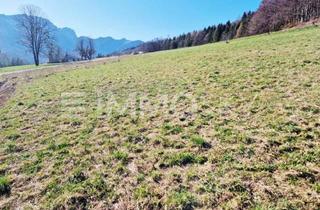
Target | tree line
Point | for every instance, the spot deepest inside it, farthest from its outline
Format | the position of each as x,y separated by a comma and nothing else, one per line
216,33
85,50
272,15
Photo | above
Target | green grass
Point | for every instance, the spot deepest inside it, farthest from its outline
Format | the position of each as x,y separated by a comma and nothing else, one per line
182,200
121,156
200,142
217,126
4,186
183,159
23,67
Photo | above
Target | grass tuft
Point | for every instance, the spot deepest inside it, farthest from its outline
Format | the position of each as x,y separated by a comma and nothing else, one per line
182,200
183,158
200,142
4,186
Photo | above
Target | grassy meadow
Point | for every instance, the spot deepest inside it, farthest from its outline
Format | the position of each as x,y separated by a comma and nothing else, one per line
11,69
220,126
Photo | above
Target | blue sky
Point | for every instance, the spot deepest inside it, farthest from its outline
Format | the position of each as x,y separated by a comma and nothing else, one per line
135,19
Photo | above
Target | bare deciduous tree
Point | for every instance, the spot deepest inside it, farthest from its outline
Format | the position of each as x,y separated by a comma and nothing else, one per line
91,51
273,15
81,49
86,49
36,32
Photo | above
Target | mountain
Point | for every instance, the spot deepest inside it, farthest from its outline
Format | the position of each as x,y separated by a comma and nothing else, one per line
66,38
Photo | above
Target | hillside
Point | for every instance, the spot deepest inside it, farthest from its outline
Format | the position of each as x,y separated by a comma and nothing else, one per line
230,126
66,39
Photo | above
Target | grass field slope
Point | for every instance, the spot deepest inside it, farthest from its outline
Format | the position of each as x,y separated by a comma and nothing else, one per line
221,126
22,68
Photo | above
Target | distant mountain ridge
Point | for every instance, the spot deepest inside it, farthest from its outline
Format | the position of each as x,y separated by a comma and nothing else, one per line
66,38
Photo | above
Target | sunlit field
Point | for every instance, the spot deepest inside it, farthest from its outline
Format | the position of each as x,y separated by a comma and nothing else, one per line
228,125
23,67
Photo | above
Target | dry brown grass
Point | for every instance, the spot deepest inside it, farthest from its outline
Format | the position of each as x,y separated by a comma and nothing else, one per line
214,127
